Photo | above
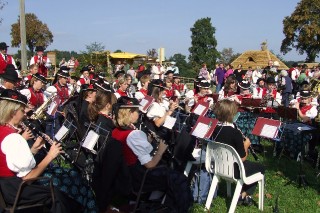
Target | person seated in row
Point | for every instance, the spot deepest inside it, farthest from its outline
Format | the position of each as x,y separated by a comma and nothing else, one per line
306,110
202,96
17,159
229,89
144,80
137,153
226,132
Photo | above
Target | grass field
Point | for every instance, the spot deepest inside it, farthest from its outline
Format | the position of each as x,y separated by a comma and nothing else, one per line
281,181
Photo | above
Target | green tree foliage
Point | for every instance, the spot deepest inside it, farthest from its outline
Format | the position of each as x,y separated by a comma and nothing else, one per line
227,55
2,4
37,33
95,47
203,44
302,30
184,67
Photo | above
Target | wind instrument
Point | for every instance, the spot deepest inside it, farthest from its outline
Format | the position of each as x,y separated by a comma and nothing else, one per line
39,113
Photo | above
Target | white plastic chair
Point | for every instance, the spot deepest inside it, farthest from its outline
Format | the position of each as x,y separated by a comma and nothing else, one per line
220,160
200,156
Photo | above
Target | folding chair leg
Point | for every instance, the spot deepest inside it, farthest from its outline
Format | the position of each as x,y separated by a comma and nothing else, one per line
228,189
235,197
261,194
213,187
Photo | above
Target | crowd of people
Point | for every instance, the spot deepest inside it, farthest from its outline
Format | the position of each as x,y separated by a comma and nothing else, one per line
139,145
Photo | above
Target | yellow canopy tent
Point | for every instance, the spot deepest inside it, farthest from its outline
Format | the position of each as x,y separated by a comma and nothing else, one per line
126,55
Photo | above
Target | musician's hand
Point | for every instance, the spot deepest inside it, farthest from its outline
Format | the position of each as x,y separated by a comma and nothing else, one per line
27,134
297,105
37,145
247,143
173,106
162,147
55,150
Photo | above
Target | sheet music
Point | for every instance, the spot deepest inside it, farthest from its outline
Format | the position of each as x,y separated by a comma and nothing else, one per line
61,133
268,131
143,102
52,108
199,109
90,140
169,122
200,130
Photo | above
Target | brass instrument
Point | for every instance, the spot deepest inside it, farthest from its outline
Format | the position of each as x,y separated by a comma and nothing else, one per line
40,112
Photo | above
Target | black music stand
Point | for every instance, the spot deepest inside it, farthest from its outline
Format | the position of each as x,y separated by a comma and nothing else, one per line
251,102
287,113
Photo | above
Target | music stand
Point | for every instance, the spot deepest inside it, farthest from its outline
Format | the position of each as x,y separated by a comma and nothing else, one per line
287,113
251,102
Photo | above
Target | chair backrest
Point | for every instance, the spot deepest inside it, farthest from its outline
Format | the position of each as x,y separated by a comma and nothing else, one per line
225,157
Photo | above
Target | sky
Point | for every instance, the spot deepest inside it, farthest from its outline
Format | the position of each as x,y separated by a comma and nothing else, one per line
140,25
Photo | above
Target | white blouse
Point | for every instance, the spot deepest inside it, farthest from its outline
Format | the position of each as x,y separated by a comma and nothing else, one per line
18,154
139,144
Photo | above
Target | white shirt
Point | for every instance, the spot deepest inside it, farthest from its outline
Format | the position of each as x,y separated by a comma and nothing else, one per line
156,72
18,154
138,143
295,74
156,110
255,76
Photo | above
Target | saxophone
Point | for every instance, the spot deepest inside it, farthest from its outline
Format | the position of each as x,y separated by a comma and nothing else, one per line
39,114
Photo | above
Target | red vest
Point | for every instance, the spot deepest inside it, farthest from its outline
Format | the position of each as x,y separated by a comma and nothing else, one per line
122,93
43,70
228,93
4,170
201,98
36,98
121,135
143,91
178,87
305,109
169,93
3,63
62,92
82,81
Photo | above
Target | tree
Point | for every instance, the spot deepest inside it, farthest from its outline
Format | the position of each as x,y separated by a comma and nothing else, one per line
152,53
302,30
2,4
203,44
37,33
227,55
95,47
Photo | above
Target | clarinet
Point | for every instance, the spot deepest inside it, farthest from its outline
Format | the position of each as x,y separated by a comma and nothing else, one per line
26,124
254,154
158,140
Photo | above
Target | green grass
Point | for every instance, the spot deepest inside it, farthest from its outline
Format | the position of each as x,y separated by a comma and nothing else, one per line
281,181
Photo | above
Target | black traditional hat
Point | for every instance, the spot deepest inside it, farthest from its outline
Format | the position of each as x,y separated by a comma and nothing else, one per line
176,75
204,84
65,68
85,68
305,94
88,87
3,46
10,74
63,73
118,73
244,85
168,72
199,78
40,77
13,95
260,79
271,80
39,48
127,102
90,66
158,83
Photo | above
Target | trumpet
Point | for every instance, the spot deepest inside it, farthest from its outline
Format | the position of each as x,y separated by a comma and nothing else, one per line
39,113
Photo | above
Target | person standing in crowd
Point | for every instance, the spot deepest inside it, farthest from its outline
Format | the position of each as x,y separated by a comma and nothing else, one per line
229,71
63,62
239,73
204,72
157,70
286,87
71,65
173,67
140,71
132,72
226,132
256,74
5,59
43,61
219,77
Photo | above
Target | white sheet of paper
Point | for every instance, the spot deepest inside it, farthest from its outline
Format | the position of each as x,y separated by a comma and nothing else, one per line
90,140
268,131
199,109
61,133
143,102
169,122
200,130
51,108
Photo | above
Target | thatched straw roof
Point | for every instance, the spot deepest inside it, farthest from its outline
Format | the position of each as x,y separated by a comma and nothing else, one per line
257,58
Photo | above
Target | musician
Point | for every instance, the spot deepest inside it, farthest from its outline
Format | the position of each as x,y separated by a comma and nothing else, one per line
87,95
137,149
122,88
42,61
17,159
9,78
229,89
169,92
203,95
84,78
245,87
118,75
306,111
190,94
157,70
34,93
226,132
260,88
169,75
91,69
5,59
33,69
145,80
177,86
131,88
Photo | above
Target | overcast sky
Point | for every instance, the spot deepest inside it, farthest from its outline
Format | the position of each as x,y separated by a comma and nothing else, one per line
137,26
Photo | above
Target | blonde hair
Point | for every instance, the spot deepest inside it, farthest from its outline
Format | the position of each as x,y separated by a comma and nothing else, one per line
225,110
144,79
123,117
7,110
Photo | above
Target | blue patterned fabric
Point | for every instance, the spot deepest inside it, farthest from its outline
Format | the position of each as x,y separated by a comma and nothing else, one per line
294,141
71,182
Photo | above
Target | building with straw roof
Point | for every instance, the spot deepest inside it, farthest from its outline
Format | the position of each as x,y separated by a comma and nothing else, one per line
257,59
